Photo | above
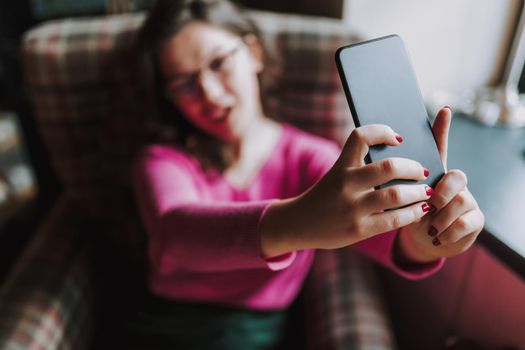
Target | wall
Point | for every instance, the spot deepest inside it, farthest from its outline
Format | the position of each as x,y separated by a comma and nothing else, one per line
454,45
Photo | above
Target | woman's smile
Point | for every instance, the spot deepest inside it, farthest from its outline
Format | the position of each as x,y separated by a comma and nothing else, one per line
220,116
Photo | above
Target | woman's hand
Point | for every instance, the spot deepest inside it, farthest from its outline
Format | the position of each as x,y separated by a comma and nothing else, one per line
455,220
343,208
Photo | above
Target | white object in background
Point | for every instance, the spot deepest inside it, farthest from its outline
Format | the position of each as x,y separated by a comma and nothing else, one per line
8,132
4,192
503,104
490,106
21,180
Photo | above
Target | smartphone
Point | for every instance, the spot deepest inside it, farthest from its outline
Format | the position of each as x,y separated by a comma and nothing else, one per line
381,88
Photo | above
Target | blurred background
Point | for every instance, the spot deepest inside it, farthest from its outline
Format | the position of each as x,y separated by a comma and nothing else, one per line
456,48
459,50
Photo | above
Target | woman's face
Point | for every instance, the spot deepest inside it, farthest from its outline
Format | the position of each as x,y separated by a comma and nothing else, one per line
211,76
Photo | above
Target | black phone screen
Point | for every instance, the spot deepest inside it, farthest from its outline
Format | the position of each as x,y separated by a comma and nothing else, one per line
381,88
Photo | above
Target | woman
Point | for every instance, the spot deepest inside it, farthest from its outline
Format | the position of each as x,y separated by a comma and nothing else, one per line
236,204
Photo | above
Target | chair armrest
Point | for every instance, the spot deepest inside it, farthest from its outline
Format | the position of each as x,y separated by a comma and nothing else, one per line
48,299
343,305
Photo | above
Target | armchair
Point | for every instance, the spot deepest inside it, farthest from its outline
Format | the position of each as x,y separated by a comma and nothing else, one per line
85,266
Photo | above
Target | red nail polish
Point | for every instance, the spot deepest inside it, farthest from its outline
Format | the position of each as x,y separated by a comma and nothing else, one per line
432,231
425,207
399,139
429,191
426,172
436,241
447,106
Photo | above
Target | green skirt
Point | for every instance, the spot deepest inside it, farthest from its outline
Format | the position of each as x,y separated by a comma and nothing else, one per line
166,324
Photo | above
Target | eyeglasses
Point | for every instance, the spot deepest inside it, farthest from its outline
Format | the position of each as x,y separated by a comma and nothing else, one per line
187,85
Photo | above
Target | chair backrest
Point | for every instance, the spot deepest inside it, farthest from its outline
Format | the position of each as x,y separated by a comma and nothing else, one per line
90,102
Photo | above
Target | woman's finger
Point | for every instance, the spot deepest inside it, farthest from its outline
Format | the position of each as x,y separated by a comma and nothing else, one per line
395,219
394,197
385,170
460,204
359,141
440,129
448,187
468,223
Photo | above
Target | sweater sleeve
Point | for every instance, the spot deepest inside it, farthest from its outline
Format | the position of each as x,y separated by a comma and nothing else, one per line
379,247
187,232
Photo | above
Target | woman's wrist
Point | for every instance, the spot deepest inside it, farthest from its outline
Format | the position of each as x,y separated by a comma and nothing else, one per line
405,251
279,231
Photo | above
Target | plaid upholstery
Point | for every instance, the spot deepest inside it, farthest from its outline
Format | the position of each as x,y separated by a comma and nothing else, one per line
344,308
47,300
302,86
89,104
90,101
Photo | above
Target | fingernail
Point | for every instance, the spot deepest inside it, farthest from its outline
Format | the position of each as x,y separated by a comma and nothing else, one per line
399,139
447,106
425,207
432,231
436,241
426,172
429,191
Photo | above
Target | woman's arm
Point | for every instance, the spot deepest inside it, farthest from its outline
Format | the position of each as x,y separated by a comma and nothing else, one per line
187,231
344,209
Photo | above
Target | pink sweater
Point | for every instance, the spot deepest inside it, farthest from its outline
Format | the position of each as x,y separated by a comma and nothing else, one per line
204,232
